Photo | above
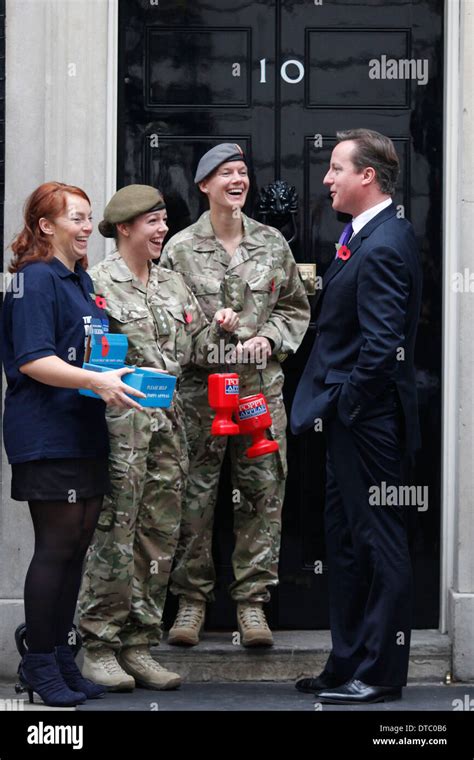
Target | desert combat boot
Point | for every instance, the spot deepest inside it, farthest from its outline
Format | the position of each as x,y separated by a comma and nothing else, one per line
189,622
101,666
253,626
147,672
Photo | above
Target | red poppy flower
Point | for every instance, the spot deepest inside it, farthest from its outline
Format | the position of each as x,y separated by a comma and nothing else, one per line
272,286
100,302
343,253
188,317
105,346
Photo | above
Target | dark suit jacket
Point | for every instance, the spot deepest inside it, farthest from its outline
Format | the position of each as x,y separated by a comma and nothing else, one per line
367,318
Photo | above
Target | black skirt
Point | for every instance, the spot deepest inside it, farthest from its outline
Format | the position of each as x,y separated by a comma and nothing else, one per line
60,479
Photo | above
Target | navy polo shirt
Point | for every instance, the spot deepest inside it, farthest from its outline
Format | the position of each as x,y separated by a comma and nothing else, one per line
47,312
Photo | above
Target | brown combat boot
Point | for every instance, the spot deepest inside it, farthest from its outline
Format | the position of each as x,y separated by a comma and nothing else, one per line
253,626
101,666
138,662
189,622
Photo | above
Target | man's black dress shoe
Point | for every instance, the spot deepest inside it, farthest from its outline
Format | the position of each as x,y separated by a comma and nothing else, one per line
315,685
357,692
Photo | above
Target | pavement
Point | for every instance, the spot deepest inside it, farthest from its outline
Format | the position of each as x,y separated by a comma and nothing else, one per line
253,697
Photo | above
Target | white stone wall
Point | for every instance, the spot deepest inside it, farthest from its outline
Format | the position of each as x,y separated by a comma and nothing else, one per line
461,619
60,123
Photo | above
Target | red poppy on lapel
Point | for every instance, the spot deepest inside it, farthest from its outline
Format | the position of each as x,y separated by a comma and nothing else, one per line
188,317
100,301
343,253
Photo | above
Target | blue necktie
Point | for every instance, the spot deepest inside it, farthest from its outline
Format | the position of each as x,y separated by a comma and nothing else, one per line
346,235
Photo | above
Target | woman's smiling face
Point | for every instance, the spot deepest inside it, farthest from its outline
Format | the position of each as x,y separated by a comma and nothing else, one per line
146,233
228,185
70,231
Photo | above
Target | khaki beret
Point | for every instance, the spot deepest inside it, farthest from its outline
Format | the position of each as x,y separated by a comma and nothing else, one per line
218,155
128,203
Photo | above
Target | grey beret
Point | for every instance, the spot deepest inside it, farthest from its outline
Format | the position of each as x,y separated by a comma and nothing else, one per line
218,155
128,203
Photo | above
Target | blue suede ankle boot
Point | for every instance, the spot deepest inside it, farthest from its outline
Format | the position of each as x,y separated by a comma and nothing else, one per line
40,673
72,675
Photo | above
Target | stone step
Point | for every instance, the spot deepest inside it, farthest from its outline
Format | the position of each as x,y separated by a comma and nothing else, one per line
219,657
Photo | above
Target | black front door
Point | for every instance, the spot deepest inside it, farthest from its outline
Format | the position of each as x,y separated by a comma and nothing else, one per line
281,77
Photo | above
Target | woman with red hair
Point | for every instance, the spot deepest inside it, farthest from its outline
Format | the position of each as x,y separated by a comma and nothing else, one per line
56,439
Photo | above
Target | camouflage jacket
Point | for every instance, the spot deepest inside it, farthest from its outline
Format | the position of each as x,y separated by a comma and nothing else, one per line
162,320
260,281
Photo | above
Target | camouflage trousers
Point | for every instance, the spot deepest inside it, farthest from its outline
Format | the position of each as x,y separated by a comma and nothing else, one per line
258,493
129,561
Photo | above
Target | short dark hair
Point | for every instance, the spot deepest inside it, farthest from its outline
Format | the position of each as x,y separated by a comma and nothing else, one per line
375,150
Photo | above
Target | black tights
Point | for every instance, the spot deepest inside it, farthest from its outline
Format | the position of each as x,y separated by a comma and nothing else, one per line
63,531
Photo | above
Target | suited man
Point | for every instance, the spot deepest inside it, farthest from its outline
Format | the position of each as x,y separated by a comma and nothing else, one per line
360,381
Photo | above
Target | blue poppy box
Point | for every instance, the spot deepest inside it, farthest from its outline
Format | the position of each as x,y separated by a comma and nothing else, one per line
159,387
107,351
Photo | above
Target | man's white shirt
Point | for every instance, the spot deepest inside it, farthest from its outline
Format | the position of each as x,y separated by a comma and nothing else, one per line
360,221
